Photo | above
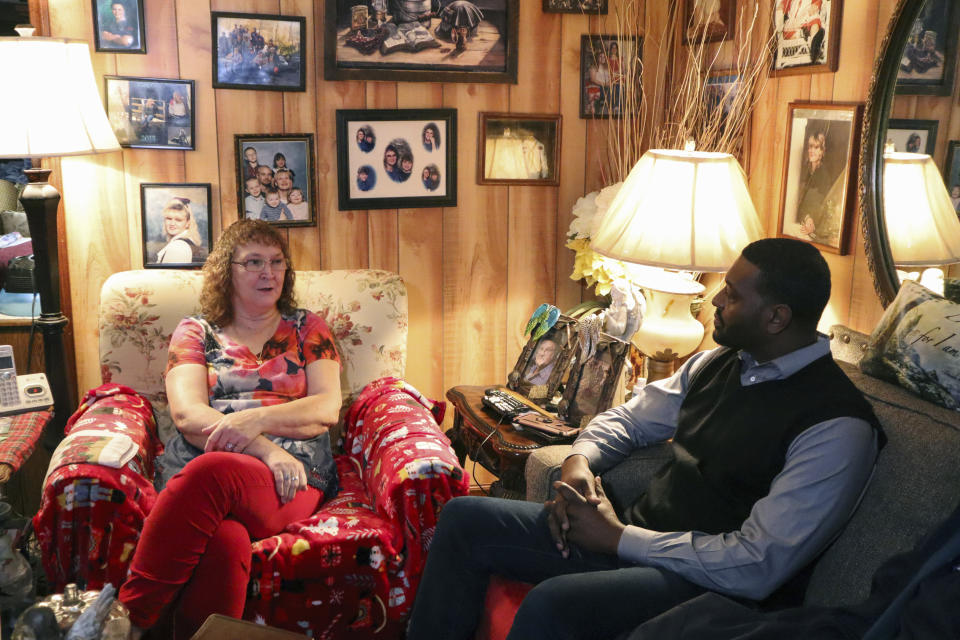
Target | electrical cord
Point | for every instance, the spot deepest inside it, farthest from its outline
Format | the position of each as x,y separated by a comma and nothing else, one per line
476,452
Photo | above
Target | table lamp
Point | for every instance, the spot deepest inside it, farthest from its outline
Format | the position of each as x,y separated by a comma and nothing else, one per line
685,210
922,224
53,109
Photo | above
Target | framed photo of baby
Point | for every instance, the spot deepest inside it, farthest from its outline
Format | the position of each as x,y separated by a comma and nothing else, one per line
818,177
593,381
275,178
544,360
175,224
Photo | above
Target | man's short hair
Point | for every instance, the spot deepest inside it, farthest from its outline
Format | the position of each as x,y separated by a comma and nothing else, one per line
792,272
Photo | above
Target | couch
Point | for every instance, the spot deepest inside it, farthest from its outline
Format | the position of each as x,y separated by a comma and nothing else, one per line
348,571
916,483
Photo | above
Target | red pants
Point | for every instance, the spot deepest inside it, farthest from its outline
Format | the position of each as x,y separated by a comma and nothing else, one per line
194,550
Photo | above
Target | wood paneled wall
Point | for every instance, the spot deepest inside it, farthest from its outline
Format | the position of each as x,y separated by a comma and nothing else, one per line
474,272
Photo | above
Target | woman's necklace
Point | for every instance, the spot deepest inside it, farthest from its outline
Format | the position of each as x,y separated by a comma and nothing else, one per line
260,354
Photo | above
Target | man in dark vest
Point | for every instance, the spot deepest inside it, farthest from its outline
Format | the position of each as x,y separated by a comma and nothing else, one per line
773,447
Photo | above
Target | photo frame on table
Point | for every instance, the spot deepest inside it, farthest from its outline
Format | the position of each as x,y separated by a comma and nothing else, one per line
709,20
542,363
259,51
930,55
519,148
593,381
575,6
951,173
459,43
151,113
175,225
806,36
606,62
816,199
396,158
913,136
118,26
276,178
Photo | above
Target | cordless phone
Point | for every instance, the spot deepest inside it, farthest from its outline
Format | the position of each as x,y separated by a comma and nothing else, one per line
20,394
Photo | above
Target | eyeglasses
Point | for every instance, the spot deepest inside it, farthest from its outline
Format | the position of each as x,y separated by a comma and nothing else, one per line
256,265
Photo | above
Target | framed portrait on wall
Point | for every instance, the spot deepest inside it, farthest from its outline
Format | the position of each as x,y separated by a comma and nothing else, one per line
593,381
543,361
806,36
912,135
721,92
951,173
930,55
575,6
816,202
606,63
709,20
118,26
396,158
259,51
410,41
175,224
519,148
275,178
151,113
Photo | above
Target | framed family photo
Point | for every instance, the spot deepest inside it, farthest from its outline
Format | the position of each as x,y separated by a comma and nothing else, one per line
396,158
806,36
151,113
543,361
709,20
118,26
816,202
721,92
592,382
519,148
575,6
913,136
951,173
607,62
930,55
410,41
259,51
175,224
275,178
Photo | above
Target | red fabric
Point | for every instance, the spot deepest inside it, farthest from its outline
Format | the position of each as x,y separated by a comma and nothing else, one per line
500,607
19,442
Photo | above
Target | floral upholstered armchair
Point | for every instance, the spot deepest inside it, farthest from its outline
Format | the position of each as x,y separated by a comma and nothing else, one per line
348,571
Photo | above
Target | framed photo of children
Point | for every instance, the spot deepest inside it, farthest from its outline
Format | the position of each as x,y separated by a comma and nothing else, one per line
951,173
175,224
816,203
607,65
519,148
592,381
396,158
544,360
575,6
151,113
913,135
259,51
806,36
118,26
275,178
930,55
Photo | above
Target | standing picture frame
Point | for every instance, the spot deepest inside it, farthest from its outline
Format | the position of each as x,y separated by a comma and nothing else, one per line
816,202
913,135
396,158
930,54
151,113
592,381
598,7
806,36
276,178
603,70
951,173
175,224
709,20
519,148
544,361
118,26
458,43
258,51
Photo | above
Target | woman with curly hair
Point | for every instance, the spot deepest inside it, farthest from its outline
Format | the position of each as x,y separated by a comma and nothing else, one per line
253,384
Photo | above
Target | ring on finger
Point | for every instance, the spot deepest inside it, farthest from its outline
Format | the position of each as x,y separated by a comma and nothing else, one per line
229,446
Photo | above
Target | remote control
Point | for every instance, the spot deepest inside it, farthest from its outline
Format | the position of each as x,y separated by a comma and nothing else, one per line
503,404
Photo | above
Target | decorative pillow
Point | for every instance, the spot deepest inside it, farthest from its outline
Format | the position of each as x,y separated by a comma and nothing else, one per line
917,345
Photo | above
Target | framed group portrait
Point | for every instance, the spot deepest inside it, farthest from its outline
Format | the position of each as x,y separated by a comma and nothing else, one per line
175,224
396,158
151,113
709,20
118,26
258,51
575,6
542,363
608,63
913,135
930,55
275,178
519,148
412,41
951,173
816,202
592,382
806,36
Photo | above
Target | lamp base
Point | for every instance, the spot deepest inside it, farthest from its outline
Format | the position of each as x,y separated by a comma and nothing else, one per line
659,369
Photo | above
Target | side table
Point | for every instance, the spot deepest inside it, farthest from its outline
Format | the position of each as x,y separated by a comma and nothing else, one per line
494,445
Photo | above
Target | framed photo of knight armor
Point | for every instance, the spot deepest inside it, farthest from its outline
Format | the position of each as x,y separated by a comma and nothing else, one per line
806,36
543,362
709,20
519,148
930,55
118,26
259,51
575,6
175,224
151,113
409,41
593,380
275,178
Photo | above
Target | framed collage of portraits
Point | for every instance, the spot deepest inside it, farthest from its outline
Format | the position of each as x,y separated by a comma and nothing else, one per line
151,113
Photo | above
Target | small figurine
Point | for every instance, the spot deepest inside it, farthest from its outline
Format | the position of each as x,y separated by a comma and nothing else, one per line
625,314
458,22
